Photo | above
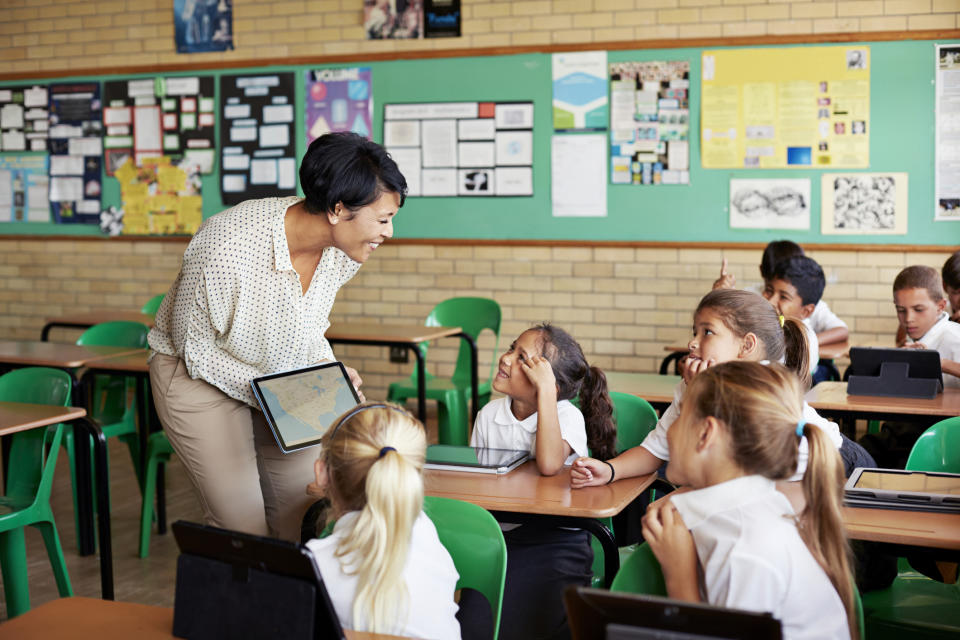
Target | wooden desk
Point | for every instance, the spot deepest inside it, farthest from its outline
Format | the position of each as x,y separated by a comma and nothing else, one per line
90,318
19,416
525,496
30,353
408,337
654,388
905,528
831,398
89,619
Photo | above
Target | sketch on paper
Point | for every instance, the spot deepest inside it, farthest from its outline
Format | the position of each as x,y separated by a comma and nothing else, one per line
770,204
864,203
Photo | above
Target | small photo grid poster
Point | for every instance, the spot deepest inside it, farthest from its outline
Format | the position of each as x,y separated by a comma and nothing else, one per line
258,153
23,118
462,148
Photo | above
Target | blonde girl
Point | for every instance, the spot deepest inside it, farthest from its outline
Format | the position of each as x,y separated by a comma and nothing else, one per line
734,540
384,565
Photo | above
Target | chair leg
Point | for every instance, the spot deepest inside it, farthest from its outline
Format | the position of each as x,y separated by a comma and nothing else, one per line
51,539
133,446
146,508
13,566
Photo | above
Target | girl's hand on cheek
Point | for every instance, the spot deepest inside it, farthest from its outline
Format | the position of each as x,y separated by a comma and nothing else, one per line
672,543
694,366
539,372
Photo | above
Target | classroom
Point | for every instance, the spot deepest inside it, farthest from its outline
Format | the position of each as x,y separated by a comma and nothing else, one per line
622,279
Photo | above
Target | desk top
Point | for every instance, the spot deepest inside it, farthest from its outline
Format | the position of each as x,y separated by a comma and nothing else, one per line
652,387
524,490
20,416
133,362
915,528
54,354
832,396
91,619
397,333
91,318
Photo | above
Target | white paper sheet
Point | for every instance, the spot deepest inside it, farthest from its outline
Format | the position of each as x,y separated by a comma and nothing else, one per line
678,155
88,206
236,162
66,165
117,115
515,148
35,97
439,145
243,134
275,135
401,133
11,116
769,203
439,182
234,182
66,189
231,111
286,173
408,161
514,116
85,146
579,175
263,171
480,129
183,86
278,113
514,181
146,128
140,88
476,154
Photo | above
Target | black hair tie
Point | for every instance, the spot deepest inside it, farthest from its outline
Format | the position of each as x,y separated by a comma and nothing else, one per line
383,451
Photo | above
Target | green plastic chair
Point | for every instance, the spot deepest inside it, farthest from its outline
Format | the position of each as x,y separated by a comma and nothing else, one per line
475,542
452,394
916,606
150,306
29,480
159,451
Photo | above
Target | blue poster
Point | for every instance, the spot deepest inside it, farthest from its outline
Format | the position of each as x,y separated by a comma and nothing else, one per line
203,25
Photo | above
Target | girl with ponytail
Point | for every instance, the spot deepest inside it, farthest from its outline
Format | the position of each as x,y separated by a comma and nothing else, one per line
383,565
733,540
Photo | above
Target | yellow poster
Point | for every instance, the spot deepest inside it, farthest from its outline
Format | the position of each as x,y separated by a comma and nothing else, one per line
792,107
159,197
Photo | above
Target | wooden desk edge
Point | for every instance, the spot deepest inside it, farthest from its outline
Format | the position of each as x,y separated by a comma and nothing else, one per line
68,414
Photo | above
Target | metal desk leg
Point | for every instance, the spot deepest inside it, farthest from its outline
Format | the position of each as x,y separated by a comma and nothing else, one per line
84,431
85,500
421,383
611,554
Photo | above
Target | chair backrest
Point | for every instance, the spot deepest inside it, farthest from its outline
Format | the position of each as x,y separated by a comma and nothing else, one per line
120,333
473,315
635,418
640,573
150,306
475,542
937,448
30,476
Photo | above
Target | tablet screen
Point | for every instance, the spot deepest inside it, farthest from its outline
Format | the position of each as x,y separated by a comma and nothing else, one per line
917,482
301,405
472,456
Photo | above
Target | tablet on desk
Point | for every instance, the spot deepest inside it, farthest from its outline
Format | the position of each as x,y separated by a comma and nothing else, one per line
447,457
300,405
898,489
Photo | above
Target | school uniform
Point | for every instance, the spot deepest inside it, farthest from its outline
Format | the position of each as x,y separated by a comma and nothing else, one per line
944,336
823,319
497,428
753,557
429,574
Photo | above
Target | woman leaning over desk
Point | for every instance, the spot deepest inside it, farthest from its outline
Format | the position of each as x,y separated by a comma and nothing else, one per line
253,297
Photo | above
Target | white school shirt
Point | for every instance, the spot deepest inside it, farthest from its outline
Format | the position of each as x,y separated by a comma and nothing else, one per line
753,558
237,309
944,336
429,574
497,428
656,440
813,345
823,319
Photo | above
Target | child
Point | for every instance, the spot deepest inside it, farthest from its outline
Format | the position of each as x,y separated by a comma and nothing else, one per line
383,565
540,373
729,324
951,284
920,304
737,434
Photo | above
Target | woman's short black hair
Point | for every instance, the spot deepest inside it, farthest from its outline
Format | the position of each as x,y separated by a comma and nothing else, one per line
348,168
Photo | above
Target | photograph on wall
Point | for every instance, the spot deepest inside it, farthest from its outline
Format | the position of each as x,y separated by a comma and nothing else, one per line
770,204
24,120
863,203
947,137
160,197
411,19
580,91
23,188
338,100
650,122
257,147
203,25
76,146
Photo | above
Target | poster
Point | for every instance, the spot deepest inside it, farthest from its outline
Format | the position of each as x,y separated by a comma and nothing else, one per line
580,91
650,122
203,25
23,188
339,100
462,148
160,197
76,144
257,147
863,203
947,140
770,204
173,116
24,119
578,180
411,19
791,107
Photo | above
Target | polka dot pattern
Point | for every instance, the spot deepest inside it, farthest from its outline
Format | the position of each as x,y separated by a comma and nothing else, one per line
237,310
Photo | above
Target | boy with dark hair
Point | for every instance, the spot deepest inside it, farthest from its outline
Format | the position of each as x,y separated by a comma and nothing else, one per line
794,288
921,310
951,284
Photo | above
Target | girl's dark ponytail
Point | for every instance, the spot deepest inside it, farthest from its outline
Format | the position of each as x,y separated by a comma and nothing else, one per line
797,355
597,411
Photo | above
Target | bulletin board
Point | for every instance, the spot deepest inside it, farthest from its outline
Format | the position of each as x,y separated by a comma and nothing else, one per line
901,139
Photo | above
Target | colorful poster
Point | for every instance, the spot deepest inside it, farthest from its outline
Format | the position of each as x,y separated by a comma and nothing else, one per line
863,203
947,140
339,100
650,122
580,91
23,188
203,25
770,204
257,150
159,197
23,118
792,107
76,145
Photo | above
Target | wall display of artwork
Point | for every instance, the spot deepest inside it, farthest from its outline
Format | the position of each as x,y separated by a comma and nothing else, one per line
462,148
160,197
76,145
863,203
258,150
162,116
203,25
23,188
770,204
339,100
411,19
650,122
947,139
23,118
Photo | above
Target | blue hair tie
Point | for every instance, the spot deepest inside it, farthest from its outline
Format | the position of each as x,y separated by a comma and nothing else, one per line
383,451
800,424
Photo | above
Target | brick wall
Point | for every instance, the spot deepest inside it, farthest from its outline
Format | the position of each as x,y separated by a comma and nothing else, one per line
43,35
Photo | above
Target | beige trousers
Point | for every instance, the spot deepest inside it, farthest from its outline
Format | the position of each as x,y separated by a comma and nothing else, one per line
242,478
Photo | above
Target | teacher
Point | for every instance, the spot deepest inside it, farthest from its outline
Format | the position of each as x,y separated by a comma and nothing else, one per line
253,297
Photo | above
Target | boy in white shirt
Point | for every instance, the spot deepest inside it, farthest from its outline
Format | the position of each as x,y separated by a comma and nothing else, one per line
921,310
794,289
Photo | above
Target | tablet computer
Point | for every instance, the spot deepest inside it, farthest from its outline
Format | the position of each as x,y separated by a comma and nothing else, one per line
898,489
866,377
300,405
475,459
